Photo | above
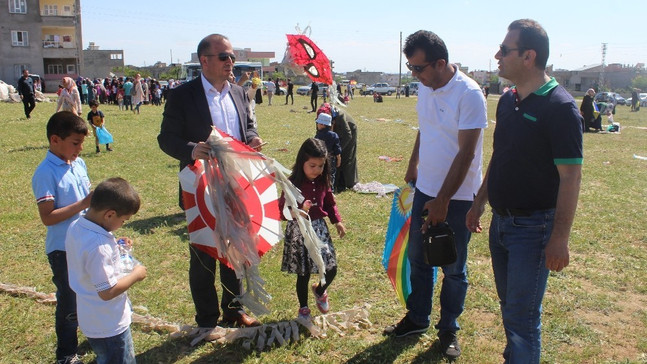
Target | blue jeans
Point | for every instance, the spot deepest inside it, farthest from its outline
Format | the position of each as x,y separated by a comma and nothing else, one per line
117,349
65,315
519,263
454,285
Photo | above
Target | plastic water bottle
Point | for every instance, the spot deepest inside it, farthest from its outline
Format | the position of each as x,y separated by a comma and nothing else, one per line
126,260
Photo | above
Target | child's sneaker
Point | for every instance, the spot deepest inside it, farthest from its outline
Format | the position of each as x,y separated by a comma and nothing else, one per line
322,301
304,313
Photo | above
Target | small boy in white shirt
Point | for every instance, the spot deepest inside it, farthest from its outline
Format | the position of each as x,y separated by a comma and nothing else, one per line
103,308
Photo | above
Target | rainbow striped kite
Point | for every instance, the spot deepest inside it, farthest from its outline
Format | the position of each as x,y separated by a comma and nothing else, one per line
395,259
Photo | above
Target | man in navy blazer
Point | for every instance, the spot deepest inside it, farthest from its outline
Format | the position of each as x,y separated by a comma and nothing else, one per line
190,112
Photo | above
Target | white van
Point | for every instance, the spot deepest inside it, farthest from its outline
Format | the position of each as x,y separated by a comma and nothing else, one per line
413,88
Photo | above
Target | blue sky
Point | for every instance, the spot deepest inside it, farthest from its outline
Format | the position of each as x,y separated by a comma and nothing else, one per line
365,35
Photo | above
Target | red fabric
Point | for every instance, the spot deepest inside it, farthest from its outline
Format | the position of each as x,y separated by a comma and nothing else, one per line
305,53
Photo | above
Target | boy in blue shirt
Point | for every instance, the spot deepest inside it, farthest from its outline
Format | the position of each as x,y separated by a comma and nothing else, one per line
62,190
96,275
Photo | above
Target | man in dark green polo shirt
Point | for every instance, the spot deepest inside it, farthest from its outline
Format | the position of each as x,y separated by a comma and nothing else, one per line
532,185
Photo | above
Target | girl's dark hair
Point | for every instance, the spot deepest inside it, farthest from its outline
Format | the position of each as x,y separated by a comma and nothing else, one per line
311,148
115,194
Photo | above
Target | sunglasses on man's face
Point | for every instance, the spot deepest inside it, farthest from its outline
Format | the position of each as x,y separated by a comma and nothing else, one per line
418,68
223,56
505,50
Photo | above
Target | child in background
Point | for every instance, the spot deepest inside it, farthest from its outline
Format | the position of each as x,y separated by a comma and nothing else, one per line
333,146
103,308
120,98
96,120
310,174
62,190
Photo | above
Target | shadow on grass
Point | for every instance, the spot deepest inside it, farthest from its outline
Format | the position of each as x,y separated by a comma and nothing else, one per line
28,148
149,225
431,355
386,351
173,350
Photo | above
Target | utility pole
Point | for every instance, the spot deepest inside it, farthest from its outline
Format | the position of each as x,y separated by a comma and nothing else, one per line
604,60
400,66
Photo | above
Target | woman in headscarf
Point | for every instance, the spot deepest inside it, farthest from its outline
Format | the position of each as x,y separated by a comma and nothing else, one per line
587,109
69,100
137,93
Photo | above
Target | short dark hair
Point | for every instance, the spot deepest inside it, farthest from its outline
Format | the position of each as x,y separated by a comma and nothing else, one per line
93,103
311,148
205,43
429,42
65,123
532,36
115,194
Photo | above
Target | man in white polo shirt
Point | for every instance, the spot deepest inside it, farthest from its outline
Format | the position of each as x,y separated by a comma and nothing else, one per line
445,166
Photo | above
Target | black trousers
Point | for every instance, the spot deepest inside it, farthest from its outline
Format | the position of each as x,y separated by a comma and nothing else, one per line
202,268
313,103
29,102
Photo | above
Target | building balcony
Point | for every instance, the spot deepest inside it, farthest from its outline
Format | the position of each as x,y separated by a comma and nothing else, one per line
57,44
59,20
54,51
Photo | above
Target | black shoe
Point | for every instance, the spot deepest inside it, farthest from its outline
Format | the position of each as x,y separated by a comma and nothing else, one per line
98,151
405,327
449,344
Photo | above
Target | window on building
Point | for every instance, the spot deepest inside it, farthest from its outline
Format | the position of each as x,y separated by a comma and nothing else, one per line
71,69
19,38
18,6
50,9
67,10
55,69
116,55
18,68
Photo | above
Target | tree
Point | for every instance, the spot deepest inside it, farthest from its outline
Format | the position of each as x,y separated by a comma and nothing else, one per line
639,82
277,74
129,71
173,73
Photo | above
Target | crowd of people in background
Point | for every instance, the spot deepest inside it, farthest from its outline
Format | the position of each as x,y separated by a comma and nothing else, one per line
119,90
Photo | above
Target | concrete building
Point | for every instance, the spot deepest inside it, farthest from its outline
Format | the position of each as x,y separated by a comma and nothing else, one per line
43,36
614,77
100,63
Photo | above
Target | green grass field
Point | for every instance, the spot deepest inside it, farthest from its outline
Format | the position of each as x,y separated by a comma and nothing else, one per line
595,311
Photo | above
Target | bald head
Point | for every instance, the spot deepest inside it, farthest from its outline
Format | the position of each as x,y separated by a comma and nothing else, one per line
206,42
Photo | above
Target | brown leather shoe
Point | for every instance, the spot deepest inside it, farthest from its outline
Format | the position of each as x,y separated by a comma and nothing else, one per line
243,320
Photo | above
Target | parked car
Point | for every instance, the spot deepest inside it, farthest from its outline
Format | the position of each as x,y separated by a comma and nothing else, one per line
413,88
281,91
643,98
305,90
381,88
610,96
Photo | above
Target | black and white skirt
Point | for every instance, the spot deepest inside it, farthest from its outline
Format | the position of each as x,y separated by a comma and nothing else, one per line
295,255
